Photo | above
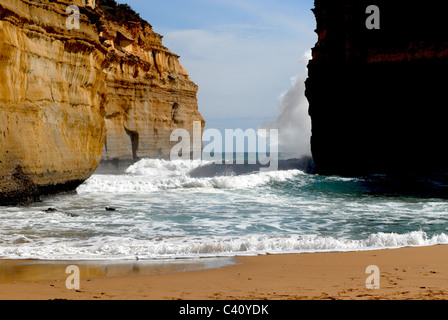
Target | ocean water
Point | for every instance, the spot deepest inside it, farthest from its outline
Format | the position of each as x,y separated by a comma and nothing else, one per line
165,212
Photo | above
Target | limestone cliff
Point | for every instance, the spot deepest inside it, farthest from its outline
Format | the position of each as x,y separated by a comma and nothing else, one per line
52,100
149,92
377,95
64,91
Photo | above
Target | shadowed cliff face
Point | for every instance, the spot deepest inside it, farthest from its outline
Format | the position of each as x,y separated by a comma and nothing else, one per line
61,90
377,97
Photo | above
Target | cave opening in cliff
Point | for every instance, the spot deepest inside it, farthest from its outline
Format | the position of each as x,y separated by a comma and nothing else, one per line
134,137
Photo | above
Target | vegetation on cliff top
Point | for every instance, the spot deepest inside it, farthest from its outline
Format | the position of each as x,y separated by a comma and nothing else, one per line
120,13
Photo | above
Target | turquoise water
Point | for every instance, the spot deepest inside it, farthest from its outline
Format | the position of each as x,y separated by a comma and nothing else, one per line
163,211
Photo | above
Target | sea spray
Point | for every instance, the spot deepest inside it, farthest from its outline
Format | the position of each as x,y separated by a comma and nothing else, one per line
294,122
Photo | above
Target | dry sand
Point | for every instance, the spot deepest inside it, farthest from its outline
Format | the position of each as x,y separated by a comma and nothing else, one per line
408,273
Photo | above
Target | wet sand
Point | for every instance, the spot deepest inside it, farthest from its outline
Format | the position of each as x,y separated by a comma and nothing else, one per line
407,273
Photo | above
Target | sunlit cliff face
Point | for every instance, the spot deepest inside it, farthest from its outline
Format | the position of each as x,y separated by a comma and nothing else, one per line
62,90
149,93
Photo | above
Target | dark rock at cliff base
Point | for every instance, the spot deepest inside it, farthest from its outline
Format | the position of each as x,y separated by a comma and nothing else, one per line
378,96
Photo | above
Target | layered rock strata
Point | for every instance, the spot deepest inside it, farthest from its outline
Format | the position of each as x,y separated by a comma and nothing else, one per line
52,100
149,93
63,91
377,89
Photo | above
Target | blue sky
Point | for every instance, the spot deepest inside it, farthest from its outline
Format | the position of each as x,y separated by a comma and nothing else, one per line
242,54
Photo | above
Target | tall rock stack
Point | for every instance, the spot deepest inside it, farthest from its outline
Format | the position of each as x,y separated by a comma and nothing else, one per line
149,93
377,87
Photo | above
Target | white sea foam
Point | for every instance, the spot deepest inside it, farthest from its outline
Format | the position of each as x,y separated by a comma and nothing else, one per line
164,168
165,213
113,248
244,181
151,175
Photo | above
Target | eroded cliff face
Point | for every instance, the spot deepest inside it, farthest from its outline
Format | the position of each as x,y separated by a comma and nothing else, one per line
149,93
378,96
52,100
63,92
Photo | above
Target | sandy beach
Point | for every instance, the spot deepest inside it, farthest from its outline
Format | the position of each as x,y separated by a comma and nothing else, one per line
407,273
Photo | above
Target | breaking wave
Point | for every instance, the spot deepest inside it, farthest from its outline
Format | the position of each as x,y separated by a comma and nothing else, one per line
150,175
105,248
169,210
